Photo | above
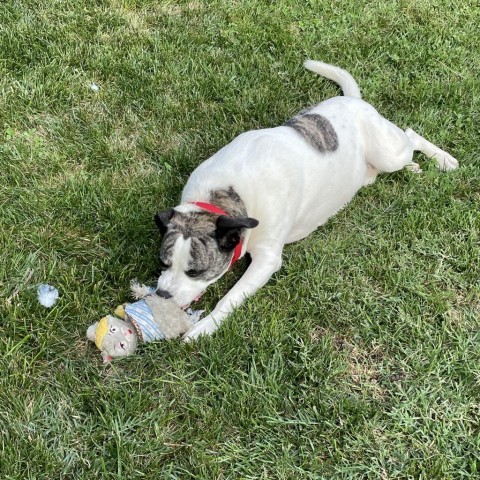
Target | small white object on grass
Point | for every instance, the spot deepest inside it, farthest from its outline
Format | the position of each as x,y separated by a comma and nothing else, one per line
47,295
94,87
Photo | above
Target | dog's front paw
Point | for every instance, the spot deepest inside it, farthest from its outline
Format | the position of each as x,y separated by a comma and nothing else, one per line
445,161
204,327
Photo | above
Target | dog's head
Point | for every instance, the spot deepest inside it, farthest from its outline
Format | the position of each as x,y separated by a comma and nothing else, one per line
196,250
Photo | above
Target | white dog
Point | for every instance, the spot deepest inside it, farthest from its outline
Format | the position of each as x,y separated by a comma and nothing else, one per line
274,186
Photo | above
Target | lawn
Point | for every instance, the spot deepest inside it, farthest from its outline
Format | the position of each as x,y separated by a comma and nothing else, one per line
361,357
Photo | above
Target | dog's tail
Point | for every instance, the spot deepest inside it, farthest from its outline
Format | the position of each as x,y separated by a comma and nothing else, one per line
338,75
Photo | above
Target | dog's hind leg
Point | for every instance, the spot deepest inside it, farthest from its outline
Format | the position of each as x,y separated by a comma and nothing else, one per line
443,159
389,149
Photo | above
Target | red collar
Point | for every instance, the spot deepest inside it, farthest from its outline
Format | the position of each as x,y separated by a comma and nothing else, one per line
213,209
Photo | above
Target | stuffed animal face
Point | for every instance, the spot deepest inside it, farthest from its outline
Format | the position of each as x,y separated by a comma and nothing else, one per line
114,337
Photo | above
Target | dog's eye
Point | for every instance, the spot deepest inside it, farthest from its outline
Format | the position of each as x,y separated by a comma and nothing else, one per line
163,265
194,273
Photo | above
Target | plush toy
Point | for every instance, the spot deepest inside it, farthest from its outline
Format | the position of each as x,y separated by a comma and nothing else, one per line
150,318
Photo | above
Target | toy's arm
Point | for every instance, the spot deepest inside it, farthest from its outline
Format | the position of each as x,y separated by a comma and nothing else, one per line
120,312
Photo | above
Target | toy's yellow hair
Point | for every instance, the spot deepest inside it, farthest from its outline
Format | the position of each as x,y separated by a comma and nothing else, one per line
102,330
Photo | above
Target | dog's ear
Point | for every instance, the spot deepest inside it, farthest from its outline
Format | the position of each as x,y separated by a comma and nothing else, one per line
229,228
162,220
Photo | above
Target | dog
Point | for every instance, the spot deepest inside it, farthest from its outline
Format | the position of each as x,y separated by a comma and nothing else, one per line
275,186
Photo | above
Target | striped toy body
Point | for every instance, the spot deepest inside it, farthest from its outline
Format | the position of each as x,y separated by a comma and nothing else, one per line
141,315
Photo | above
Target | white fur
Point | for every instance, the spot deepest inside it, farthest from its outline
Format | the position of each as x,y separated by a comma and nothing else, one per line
174,280
347,83
292,188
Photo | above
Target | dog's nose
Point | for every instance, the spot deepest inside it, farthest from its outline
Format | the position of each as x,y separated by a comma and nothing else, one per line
163,293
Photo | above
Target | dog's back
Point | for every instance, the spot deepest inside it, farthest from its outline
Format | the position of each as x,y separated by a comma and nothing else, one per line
299,173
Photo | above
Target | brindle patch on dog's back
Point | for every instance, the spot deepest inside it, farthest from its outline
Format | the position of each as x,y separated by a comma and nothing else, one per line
316,130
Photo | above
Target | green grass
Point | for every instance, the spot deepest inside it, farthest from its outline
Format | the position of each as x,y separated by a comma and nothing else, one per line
360,359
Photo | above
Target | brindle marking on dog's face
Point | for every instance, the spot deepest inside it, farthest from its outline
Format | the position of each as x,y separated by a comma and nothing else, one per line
206,261
195,251
316,130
